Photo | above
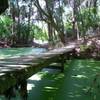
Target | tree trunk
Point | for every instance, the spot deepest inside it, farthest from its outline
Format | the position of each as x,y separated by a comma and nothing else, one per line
74,15
50,33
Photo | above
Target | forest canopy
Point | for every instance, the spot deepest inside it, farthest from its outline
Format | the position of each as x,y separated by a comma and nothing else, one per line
48,20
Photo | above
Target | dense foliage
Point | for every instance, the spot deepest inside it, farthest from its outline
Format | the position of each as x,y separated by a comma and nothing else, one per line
5,27
87,19
60,19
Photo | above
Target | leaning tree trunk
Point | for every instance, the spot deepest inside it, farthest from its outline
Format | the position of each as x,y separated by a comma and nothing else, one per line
50,33
75,25
18,23
51,20
61,34
27,36
13,14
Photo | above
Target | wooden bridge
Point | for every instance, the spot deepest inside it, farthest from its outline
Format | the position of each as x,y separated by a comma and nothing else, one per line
16,70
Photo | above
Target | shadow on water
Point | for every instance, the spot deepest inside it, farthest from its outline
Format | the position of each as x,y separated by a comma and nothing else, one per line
45,85
72,85
51,84
78,80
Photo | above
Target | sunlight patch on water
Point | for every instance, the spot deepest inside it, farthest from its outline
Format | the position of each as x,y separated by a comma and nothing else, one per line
30,86
51,71
36,77
79,76
51,88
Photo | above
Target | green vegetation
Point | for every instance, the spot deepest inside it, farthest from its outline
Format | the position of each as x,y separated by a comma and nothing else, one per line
5,27
87,19
54,22
38,33
26,21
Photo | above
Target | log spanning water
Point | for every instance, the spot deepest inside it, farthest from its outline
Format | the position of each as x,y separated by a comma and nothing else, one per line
15,69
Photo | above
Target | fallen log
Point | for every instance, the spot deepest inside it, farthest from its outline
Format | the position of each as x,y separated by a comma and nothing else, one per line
12,74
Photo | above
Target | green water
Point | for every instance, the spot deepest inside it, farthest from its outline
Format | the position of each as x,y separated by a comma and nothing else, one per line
16,52
54,85
72,85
